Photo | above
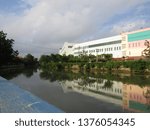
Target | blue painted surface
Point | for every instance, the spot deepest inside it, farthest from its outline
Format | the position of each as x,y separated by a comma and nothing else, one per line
16,100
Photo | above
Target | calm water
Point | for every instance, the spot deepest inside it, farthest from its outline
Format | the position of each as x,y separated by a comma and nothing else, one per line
80,92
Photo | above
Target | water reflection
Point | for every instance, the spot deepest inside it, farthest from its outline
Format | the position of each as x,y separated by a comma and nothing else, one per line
131,93
12,73
135,98
111,94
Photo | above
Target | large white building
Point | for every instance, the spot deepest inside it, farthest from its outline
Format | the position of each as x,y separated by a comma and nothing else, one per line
129,44
110,45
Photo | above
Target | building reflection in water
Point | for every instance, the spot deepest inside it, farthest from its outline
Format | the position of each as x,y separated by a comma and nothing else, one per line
131,97
136,98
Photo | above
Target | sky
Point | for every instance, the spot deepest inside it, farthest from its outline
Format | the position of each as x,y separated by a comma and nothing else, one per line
42,26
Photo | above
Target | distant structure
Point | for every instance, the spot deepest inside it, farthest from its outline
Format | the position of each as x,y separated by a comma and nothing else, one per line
67,49
129,45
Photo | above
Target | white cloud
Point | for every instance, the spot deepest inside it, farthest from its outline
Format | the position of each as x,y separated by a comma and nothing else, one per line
127,26
47,24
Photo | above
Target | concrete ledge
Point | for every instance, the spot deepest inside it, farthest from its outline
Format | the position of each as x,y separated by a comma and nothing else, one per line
13,99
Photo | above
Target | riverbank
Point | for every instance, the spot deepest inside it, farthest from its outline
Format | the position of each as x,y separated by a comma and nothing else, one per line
127,67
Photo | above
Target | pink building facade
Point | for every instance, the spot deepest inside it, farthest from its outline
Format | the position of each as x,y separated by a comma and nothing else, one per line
133,43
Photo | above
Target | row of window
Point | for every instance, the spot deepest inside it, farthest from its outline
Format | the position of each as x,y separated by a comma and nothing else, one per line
106,49
84,47
100,50
136,44
116,90
98,44
106,43
79,52
135,97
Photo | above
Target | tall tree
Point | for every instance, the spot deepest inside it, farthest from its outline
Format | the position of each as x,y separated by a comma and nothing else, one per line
7,54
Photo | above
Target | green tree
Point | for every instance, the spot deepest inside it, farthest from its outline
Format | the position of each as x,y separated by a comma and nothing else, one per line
44,59
30,60
7,54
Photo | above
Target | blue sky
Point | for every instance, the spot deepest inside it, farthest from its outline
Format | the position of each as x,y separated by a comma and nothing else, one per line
42,26
16,6
6,4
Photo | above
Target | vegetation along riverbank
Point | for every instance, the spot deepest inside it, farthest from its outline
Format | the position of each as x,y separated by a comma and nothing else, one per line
101,63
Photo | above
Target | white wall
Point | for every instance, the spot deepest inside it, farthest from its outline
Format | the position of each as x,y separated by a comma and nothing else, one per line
101,47
66,50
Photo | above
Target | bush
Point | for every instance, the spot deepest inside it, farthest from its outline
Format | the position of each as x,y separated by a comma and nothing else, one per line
87,66
117,64
60,66
109,65
139,66
99,65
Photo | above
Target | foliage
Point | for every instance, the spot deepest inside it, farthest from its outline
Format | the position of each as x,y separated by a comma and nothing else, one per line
30,60
72,59
104,62
7,54
109,65
44,59
139,66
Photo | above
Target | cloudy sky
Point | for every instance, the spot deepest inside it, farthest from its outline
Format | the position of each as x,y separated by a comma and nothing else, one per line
42,26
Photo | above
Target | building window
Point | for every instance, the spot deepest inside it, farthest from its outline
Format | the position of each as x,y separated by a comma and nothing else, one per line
138,43
70,46
106,43
124,46
123,38
129,53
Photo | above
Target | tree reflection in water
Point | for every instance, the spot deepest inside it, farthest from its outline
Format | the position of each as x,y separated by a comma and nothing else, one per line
132,92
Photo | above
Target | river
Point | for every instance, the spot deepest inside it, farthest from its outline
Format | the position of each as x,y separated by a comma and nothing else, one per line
85,92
